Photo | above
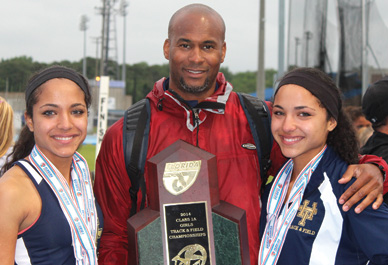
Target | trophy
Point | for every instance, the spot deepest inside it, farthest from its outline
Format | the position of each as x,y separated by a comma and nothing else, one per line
185,221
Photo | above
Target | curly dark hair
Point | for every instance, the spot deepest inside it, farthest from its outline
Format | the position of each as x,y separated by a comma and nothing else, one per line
26,142
343,138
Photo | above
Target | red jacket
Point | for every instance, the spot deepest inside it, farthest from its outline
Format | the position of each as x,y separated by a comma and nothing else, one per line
221,133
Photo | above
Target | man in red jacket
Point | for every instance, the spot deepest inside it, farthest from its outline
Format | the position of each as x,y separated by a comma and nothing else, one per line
197,105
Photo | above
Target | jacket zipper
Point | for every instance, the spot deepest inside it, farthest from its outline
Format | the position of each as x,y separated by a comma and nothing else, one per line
196,122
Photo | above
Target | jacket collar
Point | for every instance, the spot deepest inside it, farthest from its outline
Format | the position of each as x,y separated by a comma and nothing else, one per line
215,103
169,101
324,166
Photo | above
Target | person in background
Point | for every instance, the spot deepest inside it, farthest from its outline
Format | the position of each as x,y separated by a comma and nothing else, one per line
47,207
197,105
363,135
6,131
357,117
375,108
360,124
302,222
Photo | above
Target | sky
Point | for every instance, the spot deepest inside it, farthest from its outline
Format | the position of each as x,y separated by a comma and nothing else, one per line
49,30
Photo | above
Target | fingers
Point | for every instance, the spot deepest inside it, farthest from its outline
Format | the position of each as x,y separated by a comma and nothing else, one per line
378,202
368,184
352,171
373,195
351,192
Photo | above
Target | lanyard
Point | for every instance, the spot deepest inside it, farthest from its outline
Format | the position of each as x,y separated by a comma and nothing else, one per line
77,202
279,217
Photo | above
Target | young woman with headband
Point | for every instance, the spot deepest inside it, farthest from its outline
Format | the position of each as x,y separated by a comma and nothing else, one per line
302,221
48,213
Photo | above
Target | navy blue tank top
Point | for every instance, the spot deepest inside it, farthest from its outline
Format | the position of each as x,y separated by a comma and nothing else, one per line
48,240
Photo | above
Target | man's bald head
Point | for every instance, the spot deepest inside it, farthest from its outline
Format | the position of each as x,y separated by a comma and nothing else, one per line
196,9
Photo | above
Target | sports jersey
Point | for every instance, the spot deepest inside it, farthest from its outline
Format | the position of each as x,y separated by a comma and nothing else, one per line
48,240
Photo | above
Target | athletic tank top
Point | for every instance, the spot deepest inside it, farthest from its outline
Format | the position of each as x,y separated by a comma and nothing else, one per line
48,240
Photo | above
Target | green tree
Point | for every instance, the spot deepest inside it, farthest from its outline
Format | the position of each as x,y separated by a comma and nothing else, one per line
244,82
270,75
16,71
228,74
140,77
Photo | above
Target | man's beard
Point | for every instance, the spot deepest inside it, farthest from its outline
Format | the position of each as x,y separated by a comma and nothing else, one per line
194,89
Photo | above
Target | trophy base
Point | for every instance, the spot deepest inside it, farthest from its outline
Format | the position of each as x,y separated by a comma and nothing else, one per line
229,228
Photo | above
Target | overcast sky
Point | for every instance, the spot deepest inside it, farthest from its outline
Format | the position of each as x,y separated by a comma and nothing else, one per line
48,30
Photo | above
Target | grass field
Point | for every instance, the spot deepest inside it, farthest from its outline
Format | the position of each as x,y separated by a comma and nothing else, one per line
89,152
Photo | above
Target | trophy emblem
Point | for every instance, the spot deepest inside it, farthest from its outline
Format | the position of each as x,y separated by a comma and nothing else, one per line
190,253
180,176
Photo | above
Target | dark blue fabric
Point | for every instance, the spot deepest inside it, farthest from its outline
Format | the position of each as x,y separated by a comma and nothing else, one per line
363,235
49,240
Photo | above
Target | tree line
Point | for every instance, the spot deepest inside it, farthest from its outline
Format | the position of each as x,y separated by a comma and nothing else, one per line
140,77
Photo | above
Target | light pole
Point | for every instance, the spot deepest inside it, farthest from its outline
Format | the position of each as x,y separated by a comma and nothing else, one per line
83,27
123,12
364,38
297,42
260,79
281,35
97,40
309,36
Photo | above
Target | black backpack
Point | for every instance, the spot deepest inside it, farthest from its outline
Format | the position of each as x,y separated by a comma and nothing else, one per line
136,129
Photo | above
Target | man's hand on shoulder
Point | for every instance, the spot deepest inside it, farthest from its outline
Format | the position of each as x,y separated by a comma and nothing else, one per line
368,186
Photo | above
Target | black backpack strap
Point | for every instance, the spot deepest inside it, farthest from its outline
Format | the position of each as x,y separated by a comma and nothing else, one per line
136,128
259,119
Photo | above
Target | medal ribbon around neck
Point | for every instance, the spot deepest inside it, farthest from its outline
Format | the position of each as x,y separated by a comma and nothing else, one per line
77,203
280,218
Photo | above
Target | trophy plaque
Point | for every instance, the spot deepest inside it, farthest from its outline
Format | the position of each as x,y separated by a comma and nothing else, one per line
185,221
